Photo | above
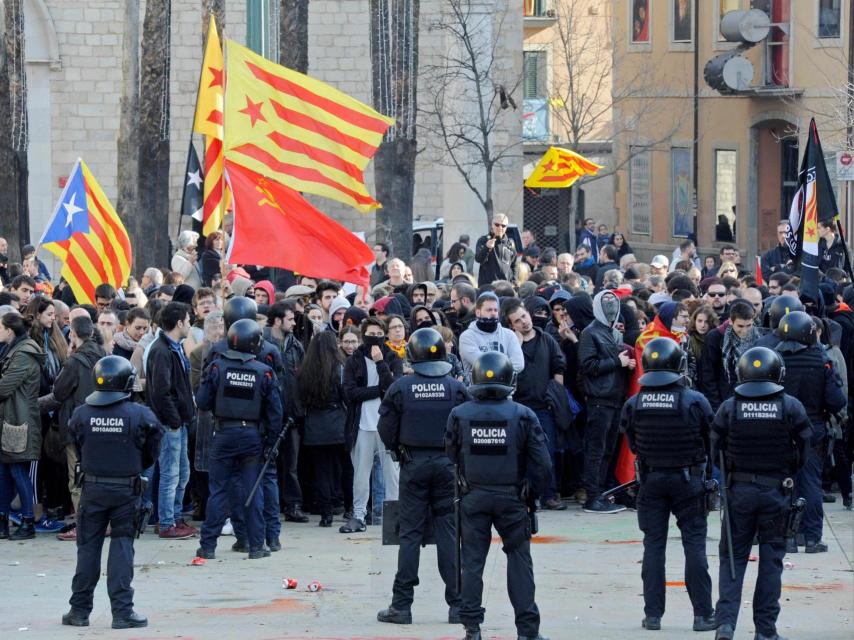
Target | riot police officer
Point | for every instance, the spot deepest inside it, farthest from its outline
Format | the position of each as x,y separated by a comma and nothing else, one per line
115,439
242,308
811,379
774,312
667,426
497,444
412,421
764,434
241,392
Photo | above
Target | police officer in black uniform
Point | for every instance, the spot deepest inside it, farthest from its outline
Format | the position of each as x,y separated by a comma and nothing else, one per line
667,426
764,434
810,378
115,439
241,392
497,444
243,308
777,308
412,421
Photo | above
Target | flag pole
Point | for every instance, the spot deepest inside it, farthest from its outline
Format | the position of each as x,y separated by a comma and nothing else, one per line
222,183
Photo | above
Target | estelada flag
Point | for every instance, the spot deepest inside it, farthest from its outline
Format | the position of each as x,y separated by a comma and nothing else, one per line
275,226
814,202
87,234
208,121
299,131
560,168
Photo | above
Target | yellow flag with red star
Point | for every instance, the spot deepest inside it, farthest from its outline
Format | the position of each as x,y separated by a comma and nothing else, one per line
560,168
208,122
297,130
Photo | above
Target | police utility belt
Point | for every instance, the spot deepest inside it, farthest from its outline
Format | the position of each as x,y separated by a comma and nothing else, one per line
697,469
122,481
231,423
755,478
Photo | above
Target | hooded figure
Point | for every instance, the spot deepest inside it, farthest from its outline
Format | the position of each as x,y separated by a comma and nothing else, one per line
579,308
267,287
606,310
337,304
536,304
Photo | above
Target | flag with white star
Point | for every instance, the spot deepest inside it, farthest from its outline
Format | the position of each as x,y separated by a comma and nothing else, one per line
87,234
192,200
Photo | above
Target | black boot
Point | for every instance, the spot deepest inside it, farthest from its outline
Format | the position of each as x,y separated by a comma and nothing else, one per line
25,531
130,621
4,526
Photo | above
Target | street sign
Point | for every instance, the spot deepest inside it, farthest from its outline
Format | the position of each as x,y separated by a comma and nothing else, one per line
844,166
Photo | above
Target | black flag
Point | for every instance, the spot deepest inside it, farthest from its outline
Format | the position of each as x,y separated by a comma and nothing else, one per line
814,202
192,201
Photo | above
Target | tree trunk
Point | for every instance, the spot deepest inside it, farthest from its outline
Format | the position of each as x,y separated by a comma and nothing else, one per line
394,67
293,34
217,8
14,132
151,226
128,141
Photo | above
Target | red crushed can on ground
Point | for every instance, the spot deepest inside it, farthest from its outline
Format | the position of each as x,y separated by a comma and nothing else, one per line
289,583
314,585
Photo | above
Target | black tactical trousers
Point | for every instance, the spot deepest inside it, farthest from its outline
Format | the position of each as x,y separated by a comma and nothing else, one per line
102,505
662,493
754,510
426,485
600,440
481,509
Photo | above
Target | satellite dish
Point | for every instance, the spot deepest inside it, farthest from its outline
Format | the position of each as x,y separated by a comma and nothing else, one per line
745,26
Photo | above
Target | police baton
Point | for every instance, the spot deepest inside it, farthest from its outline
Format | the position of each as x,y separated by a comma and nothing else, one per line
271,455
725,515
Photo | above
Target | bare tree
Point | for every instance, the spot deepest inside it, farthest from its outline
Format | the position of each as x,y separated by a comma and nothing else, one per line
151,224
128,140
293,34
586,101
471,92
394,69
14,129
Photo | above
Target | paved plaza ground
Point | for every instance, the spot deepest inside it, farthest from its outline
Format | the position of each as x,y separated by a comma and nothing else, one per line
587,570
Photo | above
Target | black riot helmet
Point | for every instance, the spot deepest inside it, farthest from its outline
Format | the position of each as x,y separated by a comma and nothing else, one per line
781,306
114,378
426,352
760,373
663,363
237,308
492,377
796,332
245,336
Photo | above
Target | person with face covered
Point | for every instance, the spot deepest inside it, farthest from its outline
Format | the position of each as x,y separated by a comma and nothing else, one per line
543,362
368,374
487,334
670,322
337,308
604,363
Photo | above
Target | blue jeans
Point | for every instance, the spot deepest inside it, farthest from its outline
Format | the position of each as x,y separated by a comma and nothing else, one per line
16,476
547,422
174,475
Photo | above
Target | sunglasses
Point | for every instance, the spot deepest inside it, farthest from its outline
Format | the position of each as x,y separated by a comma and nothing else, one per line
716,294
498,224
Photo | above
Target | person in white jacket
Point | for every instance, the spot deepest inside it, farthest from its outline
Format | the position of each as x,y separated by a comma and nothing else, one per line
184,260
487,334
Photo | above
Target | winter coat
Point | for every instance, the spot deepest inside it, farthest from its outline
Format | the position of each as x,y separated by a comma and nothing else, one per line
182,264
170,396
20,377
75,382
210,261
326,425
356,388
292,354
498,263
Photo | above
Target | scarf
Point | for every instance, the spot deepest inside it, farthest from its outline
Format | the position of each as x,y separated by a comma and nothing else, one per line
124,341
400,351
734,347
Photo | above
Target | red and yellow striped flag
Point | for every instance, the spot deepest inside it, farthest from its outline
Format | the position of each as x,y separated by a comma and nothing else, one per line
560,168
87,234
299,131
208,122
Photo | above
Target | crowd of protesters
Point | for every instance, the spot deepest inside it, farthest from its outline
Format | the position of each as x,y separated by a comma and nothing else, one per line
340,347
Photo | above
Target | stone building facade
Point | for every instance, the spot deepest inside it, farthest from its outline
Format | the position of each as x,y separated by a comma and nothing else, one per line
74,72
